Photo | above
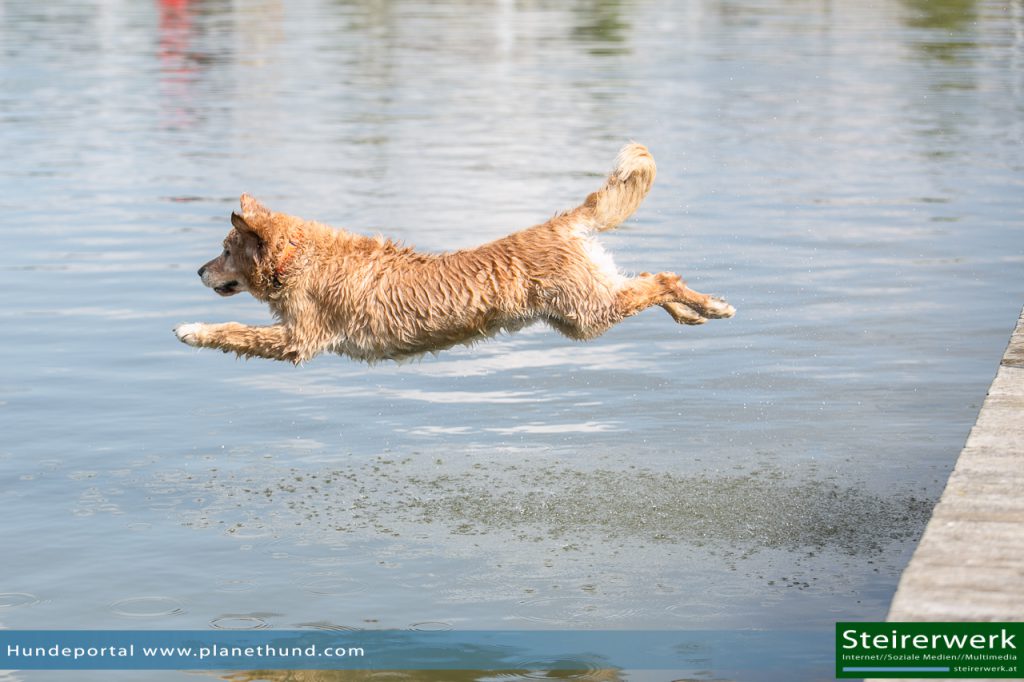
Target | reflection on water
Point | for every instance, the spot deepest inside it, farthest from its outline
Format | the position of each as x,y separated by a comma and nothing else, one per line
847,174
602,27
951,16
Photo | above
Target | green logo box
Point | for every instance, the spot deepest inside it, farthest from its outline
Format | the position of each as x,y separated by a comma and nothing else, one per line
930,650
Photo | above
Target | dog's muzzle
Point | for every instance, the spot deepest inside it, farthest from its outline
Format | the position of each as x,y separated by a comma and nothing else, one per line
228,288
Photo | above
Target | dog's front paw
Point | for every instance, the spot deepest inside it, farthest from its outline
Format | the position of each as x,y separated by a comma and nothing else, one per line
190,333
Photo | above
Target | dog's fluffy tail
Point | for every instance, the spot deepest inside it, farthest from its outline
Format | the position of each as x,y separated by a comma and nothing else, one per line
624,190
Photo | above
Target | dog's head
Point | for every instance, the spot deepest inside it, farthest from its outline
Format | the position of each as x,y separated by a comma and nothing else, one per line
241,265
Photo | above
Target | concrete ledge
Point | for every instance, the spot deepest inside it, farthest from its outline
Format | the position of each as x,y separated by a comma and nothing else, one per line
969,565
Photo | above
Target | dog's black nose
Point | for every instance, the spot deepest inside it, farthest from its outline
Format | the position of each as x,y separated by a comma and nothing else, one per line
202,270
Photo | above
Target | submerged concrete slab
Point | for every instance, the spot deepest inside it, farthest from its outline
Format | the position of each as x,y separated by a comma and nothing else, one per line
969,565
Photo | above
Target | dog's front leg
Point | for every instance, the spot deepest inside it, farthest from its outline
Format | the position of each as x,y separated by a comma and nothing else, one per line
231,337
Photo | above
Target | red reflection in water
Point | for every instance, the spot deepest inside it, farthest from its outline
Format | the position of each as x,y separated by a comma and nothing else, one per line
177,68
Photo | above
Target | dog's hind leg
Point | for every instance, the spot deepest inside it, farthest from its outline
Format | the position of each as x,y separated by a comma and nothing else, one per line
668,290
682,314
231,337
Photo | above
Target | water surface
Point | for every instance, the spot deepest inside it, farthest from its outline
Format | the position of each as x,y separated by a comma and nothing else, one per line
848,175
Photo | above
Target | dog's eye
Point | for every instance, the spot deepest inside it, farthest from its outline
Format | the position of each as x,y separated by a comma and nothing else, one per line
227,253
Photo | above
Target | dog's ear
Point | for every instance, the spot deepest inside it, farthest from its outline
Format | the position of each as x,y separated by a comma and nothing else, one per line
250,206
255,218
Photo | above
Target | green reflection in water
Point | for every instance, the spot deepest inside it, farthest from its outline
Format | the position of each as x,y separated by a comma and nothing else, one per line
600,23
949,23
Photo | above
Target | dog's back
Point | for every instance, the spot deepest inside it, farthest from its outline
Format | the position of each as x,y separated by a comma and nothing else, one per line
555,272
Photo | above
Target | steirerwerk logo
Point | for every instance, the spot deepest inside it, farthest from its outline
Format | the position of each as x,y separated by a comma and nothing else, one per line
923,650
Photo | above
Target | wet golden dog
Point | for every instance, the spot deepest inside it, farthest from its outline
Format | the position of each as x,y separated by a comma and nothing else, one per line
372,299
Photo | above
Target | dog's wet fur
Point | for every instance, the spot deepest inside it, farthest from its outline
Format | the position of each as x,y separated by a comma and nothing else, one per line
372,299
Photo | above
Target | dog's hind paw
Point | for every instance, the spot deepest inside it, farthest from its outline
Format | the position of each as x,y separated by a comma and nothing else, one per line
718,308
189,333
683,314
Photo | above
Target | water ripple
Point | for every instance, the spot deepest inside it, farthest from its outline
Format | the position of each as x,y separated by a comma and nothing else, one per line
239,623
571,610
432,626
334,587
147,607
567,668
10,600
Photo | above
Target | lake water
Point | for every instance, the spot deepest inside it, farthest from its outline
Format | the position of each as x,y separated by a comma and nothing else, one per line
848,174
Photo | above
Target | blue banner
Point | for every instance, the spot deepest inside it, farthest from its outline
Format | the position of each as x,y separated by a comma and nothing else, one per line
410,650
